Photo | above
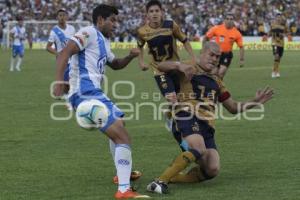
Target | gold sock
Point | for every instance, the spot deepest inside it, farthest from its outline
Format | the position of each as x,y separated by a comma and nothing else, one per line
179,164
276,66
194,175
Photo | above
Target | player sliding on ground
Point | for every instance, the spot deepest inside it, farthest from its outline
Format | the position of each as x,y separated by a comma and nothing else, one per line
200,91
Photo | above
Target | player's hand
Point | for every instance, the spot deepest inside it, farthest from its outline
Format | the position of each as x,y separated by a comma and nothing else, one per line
143,66
134,52
188,70
241,63
262,96
58,90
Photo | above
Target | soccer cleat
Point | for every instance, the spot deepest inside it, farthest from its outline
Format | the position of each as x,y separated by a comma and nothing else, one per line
129,194
277,75
134,176
159,187
273,75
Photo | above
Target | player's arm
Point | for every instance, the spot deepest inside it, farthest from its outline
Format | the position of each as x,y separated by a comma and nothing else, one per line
183,38
167,66
140,44
239,42
61,64
11,37
50,43
261,97
287,31
142,64
50,49
242,53
120,63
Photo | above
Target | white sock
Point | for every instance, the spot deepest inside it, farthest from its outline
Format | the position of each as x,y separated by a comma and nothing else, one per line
19,64
112,147
123,162
12,63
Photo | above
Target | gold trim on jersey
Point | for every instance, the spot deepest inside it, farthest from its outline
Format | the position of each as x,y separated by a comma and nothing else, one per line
162,32
277,33
204,106
161,42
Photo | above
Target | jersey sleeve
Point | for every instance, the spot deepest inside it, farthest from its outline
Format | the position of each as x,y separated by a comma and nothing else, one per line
73,30
224,93
286,29
51,37
178,33
239,39
82,38
140,41
211,32
13,30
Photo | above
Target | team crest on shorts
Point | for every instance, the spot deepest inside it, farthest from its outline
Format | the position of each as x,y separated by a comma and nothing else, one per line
195,127
164,85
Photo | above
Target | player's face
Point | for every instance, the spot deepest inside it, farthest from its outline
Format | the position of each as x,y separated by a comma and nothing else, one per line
209,60
154,14
229,21
20,23
62,17
109,25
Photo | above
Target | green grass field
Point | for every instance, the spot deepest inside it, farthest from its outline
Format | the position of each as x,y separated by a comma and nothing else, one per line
41,158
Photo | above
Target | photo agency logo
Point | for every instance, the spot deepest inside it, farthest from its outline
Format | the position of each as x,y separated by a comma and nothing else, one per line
137,105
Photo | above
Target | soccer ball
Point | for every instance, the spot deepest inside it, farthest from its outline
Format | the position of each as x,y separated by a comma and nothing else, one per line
92,114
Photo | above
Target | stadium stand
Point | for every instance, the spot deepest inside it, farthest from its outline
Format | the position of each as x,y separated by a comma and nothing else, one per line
253,18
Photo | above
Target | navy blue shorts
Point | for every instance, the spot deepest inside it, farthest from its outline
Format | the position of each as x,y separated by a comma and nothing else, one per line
277,50
194,125
226,58
167,83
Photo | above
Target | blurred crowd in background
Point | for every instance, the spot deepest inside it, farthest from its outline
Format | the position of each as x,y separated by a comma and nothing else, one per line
253,18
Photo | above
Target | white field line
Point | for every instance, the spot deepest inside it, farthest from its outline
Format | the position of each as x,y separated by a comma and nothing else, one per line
282,66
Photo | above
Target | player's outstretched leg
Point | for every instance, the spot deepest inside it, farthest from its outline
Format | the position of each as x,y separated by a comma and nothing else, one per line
122,159
135,174
197,152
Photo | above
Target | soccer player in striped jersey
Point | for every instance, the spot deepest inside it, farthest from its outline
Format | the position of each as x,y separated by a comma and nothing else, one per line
59,36
18,36
278,31
90,52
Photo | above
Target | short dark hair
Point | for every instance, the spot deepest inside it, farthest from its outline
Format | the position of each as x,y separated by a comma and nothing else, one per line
19,18
104,11
153,3
61,10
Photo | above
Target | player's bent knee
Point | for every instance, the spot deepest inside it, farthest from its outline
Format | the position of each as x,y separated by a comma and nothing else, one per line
213,171
210,172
